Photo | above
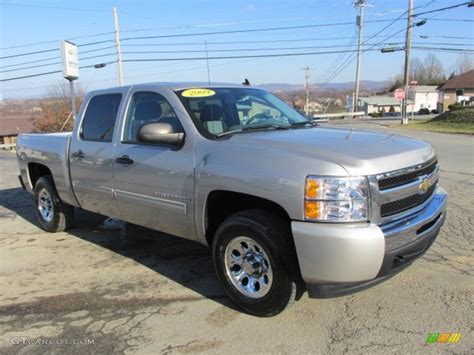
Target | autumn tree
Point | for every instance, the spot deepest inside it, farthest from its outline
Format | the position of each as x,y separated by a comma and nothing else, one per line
56,115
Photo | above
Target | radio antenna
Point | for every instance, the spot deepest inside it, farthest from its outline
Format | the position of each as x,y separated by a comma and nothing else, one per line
208,71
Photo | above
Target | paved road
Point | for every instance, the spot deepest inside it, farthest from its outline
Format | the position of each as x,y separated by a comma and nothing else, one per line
160,295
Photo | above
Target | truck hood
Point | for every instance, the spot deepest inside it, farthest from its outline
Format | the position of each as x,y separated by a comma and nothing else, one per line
359,152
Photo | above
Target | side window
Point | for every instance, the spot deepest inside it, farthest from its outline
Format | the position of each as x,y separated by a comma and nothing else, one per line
147,107
99,118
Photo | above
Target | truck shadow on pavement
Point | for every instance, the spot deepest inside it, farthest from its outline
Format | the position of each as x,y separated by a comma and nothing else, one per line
183,261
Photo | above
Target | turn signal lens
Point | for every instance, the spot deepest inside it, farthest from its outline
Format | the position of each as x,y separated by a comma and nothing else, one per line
311,209
312,188
336,199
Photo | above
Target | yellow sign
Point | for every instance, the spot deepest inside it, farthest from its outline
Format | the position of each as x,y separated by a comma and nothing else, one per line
198,93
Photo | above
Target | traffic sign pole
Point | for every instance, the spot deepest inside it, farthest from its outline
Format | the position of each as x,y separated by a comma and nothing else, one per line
400,96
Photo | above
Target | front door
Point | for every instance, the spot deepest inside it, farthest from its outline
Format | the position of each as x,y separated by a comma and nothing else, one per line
92,154
154,184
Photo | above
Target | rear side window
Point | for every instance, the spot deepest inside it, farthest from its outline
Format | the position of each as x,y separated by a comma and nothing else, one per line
99,118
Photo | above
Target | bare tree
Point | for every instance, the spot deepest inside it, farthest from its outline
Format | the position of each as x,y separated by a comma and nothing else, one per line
417,70
433,71
464,63
56,109
430,71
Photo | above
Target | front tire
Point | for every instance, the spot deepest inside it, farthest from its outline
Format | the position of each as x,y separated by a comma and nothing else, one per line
253,257
53,215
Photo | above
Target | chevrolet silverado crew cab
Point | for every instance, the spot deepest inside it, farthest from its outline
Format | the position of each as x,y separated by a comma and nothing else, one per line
285,204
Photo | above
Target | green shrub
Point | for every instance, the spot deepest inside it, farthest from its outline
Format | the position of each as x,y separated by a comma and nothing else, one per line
466,115
456,106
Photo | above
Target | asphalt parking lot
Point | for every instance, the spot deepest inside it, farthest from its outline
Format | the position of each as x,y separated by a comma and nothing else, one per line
91,290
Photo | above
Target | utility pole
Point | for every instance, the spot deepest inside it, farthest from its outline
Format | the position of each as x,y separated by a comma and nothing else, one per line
360,23
119,50
406,76
307,75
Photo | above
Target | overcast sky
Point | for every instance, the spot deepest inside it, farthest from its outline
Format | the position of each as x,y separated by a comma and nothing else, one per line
28,21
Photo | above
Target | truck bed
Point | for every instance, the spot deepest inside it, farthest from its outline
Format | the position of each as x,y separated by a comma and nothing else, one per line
52,151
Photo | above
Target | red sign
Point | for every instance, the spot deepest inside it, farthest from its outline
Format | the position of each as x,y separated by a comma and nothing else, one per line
399,94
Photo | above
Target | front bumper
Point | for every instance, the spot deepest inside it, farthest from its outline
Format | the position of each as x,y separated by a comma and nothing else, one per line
336,259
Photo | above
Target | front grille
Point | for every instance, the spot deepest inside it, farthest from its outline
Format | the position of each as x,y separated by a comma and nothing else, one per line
405,178
394,207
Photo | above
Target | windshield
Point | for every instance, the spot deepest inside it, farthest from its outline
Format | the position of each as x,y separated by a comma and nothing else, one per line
221,111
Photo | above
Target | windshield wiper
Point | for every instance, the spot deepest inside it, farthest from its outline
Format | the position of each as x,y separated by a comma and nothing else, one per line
303,123
254,128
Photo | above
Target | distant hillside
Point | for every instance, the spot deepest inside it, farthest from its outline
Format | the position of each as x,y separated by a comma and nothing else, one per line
370,85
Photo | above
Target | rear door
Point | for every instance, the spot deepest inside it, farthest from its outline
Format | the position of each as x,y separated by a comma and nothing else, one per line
155,188
92,153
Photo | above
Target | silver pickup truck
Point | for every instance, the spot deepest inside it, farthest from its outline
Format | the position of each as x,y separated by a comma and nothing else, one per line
285,204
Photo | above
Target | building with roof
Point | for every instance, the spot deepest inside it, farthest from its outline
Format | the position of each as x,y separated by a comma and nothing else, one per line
424,97
382,105
10,128
457,89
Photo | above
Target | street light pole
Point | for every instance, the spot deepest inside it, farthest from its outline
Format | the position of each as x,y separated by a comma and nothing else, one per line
119,50
406,76
306,85
360,23
73,98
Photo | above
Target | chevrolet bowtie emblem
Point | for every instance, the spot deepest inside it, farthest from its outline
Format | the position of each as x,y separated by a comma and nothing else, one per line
425,185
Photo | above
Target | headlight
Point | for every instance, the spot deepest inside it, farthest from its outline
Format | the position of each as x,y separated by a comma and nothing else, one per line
330,199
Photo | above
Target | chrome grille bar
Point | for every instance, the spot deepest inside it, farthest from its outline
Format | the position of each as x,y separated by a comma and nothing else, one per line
396,202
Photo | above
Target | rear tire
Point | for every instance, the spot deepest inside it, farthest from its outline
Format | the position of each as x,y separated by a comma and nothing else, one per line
53,215
254,259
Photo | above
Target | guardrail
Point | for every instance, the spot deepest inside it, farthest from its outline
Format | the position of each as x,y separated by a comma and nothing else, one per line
341,114
7,146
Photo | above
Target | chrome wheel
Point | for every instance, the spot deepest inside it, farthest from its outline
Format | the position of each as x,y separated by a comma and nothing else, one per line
45,205
248,267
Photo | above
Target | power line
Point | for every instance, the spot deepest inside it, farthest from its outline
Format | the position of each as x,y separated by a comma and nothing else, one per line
233,57
351,57
57,49
192,35
448,37
450,19
442,9
445,49
250,30
29,53
53,58
95,43
58,40
31,75
239,42
29,62
55,63
248,49
47,73
53,7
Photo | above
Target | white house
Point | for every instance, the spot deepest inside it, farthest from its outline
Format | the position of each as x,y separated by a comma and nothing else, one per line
386,105
313,107
424,96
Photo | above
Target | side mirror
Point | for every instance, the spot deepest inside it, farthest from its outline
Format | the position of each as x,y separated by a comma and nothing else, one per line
159,133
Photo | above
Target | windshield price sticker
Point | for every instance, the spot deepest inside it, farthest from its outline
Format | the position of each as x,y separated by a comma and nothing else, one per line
198,93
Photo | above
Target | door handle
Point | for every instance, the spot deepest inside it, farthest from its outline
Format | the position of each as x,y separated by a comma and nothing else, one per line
79,154
124,160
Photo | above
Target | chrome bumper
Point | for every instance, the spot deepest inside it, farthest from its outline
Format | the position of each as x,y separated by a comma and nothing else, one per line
351,253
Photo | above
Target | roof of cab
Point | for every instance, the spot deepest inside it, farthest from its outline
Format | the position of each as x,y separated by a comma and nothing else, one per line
170,85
